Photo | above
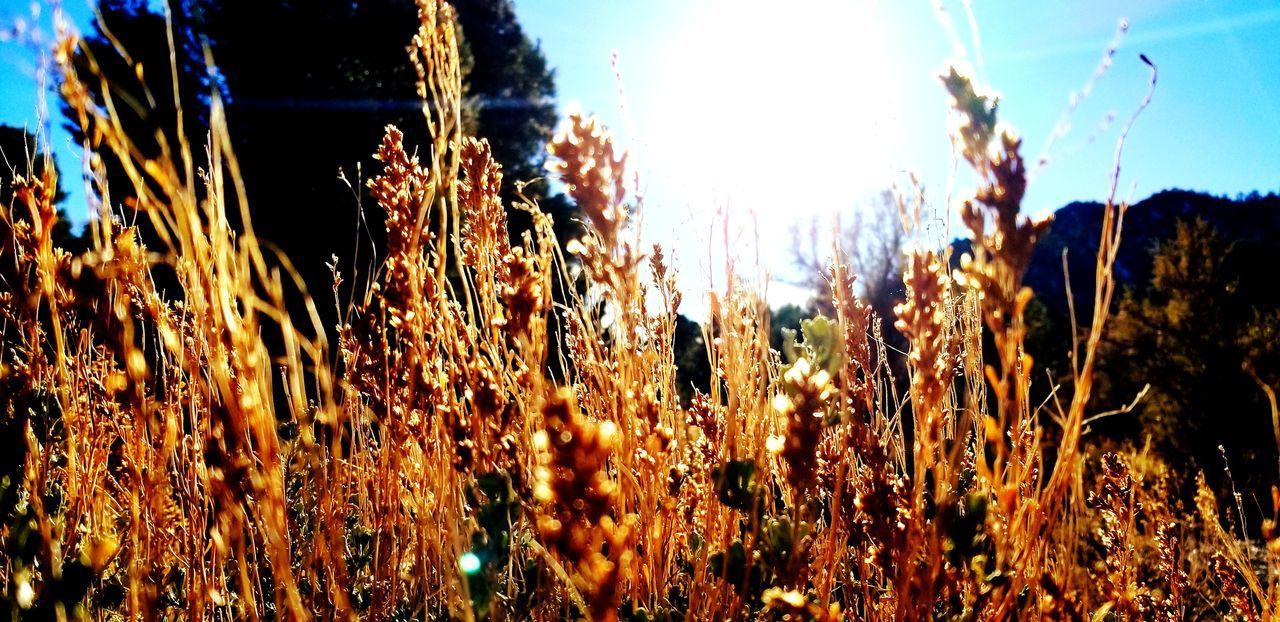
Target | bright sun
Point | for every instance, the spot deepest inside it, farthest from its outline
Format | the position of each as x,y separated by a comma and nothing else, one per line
785,110
798,96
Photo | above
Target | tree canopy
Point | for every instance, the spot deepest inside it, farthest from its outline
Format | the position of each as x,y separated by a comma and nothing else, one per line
1195,333
309,88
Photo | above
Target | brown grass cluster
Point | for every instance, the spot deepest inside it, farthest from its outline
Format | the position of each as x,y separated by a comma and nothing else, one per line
203,454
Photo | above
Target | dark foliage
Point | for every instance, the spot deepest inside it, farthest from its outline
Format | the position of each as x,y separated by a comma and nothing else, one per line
693,368
309,88
1197,305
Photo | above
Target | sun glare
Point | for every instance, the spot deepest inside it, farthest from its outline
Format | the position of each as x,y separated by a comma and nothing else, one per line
775,115
765,107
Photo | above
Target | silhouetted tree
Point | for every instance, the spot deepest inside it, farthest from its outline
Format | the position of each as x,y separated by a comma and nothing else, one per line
138,72
787,317
1192,334
693,367
309,88
871,239
1247,227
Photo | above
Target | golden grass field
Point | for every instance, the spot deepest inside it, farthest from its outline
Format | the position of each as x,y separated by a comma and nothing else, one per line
207,455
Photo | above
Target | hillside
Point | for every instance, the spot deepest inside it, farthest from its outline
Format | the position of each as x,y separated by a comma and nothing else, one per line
1253,220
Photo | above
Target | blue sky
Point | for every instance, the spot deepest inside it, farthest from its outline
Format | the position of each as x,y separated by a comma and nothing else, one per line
1213,125
24,70
778,112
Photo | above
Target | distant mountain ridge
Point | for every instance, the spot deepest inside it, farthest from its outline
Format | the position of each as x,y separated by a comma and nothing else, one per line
1252,219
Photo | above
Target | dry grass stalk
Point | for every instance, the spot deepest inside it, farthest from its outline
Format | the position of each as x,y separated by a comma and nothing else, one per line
200,456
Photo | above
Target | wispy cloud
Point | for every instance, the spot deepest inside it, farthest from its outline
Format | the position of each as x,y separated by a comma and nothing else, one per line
1142,36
